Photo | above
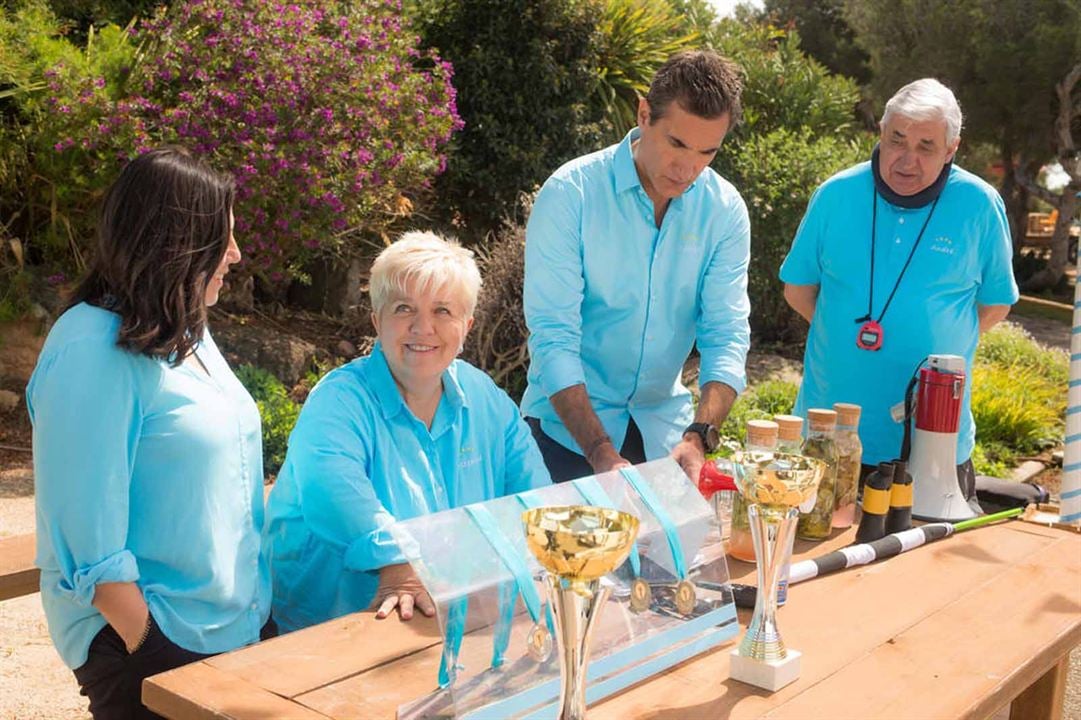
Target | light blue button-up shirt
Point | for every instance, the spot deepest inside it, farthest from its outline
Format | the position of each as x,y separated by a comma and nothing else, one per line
616,303
359,460
149,474
963,261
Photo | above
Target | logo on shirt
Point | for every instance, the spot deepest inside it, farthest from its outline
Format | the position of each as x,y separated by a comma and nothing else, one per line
467,457
944,245
691,238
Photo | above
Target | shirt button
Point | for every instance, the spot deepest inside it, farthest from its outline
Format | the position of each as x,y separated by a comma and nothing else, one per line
897,240
901,220
255,606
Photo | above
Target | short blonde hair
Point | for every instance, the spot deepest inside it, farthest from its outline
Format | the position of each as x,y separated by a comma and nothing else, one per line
424,262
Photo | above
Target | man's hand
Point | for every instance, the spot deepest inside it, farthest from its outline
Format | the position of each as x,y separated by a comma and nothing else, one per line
400,588
690,455
605,458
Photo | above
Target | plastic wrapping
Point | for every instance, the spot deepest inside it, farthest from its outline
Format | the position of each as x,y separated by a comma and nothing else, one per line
474,561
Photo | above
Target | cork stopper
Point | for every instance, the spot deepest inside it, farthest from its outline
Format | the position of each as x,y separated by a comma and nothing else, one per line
789,427
762,433
847,414
820,419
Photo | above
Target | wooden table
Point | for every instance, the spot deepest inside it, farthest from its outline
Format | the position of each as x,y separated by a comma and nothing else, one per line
956,629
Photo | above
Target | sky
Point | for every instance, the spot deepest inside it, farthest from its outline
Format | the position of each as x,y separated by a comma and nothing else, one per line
725,7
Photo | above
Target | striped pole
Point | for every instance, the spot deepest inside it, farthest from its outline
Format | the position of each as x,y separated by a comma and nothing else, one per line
1070,496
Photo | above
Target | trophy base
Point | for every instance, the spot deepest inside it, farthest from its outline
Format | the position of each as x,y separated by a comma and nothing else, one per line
768,675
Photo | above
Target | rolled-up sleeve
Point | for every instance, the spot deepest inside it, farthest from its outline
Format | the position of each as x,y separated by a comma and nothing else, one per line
327,457
85,404
723,332
552,296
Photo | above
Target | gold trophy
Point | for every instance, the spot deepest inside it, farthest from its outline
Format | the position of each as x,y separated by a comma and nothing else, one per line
774,486
577,545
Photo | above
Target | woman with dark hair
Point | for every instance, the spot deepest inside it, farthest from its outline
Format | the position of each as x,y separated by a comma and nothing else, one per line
147,450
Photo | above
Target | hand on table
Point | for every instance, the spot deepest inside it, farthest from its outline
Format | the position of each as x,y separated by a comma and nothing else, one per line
400,588
605,458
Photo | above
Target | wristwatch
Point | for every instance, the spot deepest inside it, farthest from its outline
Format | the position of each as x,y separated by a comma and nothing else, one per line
711,439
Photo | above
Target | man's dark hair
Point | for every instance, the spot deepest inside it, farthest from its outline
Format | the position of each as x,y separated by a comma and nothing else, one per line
702,82
164,230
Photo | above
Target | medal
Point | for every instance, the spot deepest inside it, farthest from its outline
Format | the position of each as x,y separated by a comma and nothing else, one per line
539,643
640,595
686,598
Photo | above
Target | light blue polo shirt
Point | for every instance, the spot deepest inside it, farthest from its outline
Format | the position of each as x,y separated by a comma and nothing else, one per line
616,303
359,460
150,474
963,261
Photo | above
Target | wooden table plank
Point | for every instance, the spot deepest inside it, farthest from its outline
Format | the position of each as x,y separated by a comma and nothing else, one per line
18,576
298,662
943,666
201,692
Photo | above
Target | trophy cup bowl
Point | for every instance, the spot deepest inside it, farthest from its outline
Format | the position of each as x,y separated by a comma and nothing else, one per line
577,545
774,485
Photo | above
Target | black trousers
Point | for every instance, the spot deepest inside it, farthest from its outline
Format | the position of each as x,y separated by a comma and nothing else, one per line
564,464
113,680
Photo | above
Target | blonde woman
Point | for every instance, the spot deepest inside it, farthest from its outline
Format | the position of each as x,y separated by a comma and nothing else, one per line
405,431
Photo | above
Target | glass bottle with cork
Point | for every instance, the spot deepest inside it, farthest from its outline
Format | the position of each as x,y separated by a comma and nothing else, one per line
817,522
849,457
761,437
789,433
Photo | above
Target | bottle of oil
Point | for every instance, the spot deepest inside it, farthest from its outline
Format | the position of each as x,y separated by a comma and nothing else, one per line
820,444
849,456
761,437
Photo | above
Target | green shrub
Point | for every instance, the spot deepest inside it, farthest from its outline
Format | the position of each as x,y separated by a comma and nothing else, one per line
276,409
525,72
776,173
1008,344
759,402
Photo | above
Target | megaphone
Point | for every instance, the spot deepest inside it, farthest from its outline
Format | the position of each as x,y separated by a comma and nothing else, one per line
932,461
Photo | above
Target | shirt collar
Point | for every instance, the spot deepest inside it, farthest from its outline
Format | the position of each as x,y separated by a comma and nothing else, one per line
390,398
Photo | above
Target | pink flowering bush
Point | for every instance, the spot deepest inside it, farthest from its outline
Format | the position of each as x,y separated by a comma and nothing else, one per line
330,118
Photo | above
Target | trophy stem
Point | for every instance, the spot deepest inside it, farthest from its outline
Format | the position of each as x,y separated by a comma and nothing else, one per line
575,619
771,531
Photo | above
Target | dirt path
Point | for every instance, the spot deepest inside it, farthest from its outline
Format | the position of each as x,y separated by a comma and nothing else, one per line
35,685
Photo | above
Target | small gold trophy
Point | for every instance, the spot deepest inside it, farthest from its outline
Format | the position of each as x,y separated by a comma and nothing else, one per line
774,485
577,545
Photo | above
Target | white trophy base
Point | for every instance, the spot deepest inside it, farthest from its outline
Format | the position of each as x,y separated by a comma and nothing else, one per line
768,675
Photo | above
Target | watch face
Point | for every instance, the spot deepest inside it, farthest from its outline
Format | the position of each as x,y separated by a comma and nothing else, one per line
713,439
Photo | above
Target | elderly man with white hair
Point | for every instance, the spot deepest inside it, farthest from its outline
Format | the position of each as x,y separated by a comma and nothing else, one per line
898,258
405,431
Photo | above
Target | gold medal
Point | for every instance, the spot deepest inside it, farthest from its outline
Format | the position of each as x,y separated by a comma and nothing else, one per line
686,598
641,594
539,643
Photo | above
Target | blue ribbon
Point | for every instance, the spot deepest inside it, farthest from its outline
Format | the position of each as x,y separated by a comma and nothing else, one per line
655,506
448,668
595,494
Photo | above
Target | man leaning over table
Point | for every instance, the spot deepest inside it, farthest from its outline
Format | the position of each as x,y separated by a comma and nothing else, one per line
634,254
898,258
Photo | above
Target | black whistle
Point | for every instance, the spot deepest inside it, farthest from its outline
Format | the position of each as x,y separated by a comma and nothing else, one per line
900,514
876,504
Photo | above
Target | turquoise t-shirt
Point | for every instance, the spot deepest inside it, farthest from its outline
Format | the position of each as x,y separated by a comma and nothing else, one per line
150,474
359,460
615,302
962,262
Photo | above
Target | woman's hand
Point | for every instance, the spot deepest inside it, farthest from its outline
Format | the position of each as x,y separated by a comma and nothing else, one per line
124,608
399,587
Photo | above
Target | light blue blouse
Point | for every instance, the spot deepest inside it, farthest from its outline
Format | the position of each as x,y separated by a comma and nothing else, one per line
150,474
359,460
615,302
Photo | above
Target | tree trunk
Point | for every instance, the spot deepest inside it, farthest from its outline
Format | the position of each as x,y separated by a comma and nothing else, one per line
1015,196
1050,276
